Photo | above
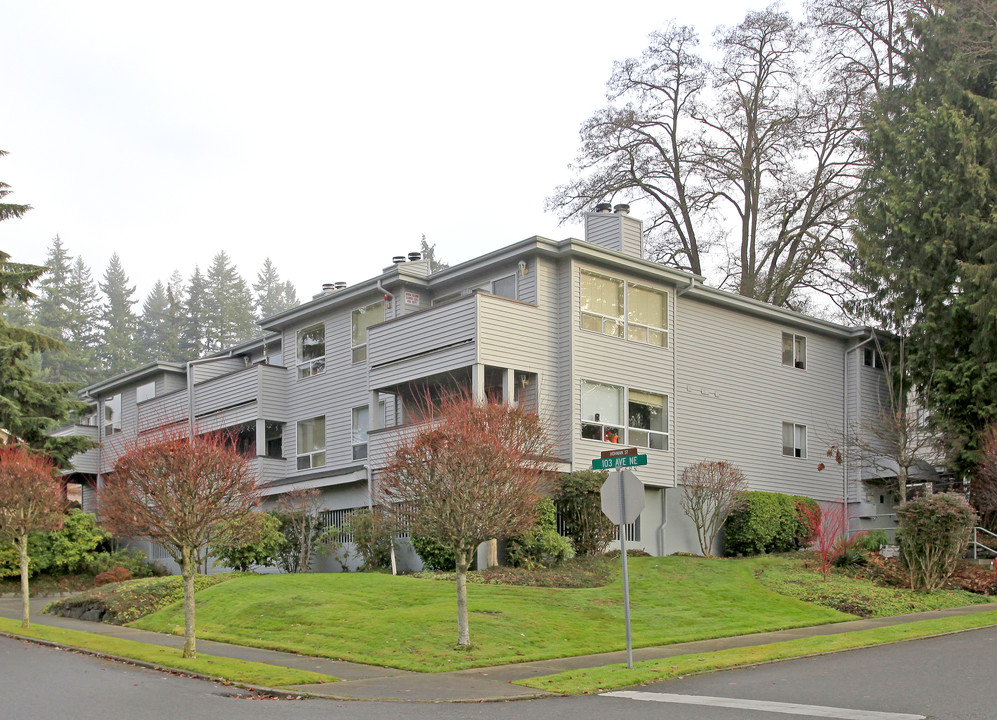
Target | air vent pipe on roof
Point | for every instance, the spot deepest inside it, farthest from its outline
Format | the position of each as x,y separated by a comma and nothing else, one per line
328,287
604,208
340,285
622,209
398,259
413,256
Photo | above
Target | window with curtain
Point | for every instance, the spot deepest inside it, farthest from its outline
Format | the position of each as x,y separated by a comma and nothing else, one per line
311,443
647,418
647,315
794,440
602,412
602,304
363,318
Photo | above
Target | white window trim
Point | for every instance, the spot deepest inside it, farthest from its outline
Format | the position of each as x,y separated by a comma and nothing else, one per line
309,365
624,321
384,414
625,425
806,441
354,348
311,454
796,360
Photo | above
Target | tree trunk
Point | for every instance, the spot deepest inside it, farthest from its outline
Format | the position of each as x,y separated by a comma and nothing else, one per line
22,552
463,629
189,569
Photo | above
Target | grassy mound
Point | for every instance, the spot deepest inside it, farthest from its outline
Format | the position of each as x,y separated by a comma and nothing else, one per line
410,622
123,602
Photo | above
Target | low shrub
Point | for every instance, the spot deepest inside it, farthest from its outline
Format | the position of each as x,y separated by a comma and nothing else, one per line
433,554
253,541
934,533
372,535
769,522
114,575
580,504
873,540
135,561
541,547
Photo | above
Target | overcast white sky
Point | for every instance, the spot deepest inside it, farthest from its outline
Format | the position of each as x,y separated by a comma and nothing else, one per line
328,136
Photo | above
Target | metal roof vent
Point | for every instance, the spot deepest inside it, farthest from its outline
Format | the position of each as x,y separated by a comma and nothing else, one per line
604,208
413,256
398,259
328,287
340,285
622,209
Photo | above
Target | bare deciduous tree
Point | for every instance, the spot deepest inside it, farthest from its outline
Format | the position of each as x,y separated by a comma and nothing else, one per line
31,500
749,162
299,511
711,491
983,488
178,493
472,472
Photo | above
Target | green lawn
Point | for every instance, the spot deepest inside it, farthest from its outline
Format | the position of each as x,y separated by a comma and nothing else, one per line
410,623
239,671
613,677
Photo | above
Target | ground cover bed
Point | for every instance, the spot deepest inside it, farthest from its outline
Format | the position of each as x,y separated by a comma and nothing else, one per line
852,590
123,602
410,622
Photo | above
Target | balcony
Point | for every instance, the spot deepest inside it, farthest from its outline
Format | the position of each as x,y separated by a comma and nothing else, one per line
241,396
477,328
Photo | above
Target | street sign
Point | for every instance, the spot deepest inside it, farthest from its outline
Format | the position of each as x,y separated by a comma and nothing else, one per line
615,463
619,452
631,499
622,500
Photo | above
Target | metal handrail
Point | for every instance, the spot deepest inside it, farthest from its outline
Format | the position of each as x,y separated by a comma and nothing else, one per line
977,544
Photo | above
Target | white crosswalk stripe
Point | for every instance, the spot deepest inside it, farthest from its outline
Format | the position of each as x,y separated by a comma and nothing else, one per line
764,706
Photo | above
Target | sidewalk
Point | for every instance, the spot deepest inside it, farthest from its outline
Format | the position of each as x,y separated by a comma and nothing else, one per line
369,682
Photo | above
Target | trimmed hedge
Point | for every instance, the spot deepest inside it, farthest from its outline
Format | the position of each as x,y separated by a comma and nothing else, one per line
768,522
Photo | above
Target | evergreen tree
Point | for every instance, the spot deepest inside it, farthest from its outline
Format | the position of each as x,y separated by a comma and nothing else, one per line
29,407
272,295
158,326
51,314
927,237
82,327
229,312
192,336
118,321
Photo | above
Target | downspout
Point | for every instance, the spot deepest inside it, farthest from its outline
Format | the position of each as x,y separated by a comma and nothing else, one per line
679,292
389,296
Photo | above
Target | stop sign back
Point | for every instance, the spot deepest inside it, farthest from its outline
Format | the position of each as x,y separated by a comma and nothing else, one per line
633,497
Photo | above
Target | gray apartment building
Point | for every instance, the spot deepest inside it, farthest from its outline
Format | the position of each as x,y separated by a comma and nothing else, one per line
611,348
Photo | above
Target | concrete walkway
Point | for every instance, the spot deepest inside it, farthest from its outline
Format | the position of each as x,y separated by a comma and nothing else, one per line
369,682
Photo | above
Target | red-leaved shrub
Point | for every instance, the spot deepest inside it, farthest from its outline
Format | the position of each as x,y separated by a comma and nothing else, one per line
115,574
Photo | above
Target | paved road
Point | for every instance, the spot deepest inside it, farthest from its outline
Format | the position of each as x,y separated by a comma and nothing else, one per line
947,678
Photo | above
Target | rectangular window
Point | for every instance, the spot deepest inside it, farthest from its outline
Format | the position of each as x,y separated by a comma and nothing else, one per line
363,318
602,412
794,440
361,426
647,315
112,415
311,443
311,351
794,350
145,392
871,358
647,419
505,287
602,304
274,439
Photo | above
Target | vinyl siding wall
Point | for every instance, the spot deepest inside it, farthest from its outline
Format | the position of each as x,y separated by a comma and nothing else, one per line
616,361
734,393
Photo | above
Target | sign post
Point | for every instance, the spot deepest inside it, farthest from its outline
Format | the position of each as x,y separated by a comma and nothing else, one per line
622,502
